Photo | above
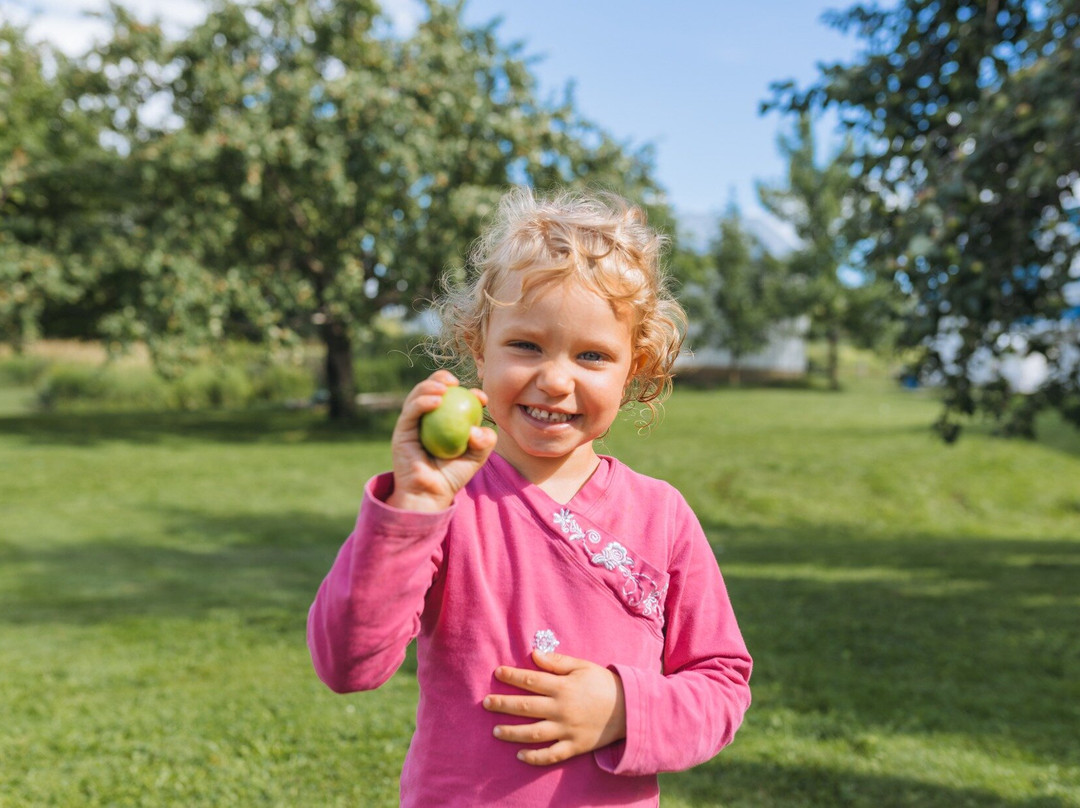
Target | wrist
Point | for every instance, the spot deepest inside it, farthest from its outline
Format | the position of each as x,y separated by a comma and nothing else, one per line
421,503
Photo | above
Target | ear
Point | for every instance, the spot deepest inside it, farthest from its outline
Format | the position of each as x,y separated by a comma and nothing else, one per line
478,360
636,364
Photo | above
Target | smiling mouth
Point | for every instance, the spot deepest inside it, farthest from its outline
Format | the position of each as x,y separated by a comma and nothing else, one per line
547,416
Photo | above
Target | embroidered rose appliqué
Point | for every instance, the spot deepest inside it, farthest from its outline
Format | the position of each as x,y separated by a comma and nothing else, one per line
614,556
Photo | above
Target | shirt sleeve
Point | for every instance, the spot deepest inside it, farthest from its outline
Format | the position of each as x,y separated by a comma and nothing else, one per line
368,607
683,715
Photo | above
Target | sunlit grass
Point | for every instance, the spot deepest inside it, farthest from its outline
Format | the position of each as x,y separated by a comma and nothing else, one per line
913,608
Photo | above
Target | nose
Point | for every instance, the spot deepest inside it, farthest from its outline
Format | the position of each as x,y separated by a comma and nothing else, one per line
555,379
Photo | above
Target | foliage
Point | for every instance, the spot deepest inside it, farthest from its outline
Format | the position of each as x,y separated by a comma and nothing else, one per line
913,621
740,299
968,116
43,134
817,201
309,168
234,379
22,370
79,386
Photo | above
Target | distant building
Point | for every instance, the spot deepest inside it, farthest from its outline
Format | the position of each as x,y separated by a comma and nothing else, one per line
782,358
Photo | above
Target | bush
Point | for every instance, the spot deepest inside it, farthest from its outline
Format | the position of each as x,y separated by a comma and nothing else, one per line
217,385
213,387
277,383
68,386
236,376
22,371
392,371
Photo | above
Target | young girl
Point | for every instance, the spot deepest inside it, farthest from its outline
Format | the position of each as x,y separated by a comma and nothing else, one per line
575,636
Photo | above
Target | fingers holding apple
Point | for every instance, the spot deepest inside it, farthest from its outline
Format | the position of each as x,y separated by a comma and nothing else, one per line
445,430
438,443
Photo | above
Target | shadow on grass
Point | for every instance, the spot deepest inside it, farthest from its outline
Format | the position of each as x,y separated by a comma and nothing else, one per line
264,568
855,637
911,634
1053,431
220,426
742,784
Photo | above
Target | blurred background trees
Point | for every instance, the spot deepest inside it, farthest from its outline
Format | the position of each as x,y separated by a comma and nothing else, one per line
824,276
736,296
966,117
50,161
285,174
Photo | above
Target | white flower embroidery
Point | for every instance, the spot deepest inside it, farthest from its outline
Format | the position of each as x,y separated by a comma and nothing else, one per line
639,590
544,641
614,556
565,520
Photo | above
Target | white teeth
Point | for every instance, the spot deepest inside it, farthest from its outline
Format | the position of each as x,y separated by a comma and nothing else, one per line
550,417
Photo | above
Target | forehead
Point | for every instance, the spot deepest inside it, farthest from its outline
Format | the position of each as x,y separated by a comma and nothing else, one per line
561,311
508,293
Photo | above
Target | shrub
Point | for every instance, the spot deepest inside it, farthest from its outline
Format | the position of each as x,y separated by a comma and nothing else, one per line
392,371
278,383
76,386
213,387
236,376
64,384
22,371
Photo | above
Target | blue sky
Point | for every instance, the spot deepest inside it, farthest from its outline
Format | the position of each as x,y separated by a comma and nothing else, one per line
686,76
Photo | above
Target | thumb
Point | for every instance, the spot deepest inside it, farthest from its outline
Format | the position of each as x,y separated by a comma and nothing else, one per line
459,470
556,663
482,440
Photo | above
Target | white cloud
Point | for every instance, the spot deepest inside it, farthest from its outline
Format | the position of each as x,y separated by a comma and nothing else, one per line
69,26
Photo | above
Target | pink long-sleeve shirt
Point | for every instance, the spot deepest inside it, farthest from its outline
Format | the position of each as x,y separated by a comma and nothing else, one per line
622,575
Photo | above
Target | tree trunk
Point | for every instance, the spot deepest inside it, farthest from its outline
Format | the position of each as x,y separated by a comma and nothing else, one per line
833,368
735,372
340,382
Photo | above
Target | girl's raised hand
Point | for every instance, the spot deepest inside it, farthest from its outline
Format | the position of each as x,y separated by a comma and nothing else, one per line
422,482
577,706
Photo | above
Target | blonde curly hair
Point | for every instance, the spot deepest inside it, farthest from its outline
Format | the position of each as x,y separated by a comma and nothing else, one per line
599,241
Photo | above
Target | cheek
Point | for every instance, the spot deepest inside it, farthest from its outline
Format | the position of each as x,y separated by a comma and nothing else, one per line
497,386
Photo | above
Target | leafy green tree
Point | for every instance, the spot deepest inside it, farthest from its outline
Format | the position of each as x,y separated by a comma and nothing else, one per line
310,169
967,115
741,297
48,147
818,202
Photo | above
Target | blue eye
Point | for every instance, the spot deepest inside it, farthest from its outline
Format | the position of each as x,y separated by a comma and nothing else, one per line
524,346
592,356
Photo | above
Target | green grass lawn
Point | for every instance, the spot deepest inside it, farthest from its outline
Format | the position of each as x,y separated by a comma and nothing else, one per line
913,608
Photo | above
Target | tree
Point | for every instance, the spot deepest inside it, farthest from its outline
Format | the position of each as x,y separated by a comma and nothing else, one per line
968,115
48,146
817,201
741,300
312,169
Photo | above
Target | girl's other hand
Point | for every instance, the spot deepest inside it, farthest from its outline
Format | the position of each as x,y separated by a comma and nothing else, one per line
422,482
578,706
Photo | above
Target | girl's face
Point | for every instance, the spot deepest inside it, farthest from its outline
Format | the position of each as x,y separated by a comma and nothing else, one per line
554,368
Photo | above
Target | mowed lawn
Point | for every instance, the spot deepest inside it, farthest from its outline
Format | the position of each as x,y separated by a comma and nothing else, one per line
913,608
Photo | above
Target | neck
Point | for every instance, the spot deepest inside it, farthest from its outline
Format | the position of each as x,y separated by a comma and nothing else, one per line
558,477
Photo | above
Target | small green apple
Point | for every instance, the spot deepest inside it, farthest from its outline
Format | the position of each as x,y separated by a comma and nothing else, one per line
444,432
